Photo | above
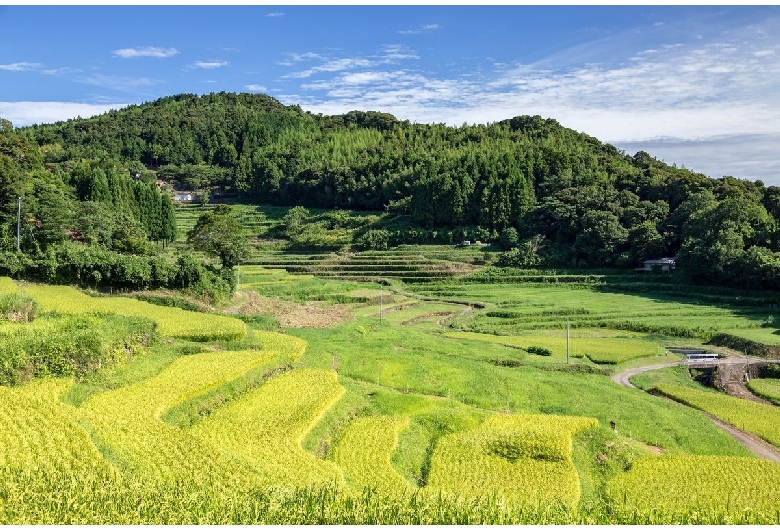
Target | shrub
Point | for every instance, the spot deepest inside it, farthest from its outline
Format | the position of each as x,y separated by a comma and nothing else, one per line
539,350
374,240
18,307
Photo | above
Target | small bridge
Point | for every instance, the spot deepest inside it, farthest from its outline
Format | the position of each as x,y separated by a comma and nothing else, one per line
702,361
699,359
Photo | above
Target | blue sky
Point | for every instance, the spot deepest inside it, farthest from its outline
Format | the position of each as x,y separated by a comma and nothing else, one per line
695,86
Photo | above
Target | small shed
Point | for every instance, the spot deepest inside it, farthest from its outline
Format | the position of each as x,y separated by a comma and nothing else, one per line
657,265
182,197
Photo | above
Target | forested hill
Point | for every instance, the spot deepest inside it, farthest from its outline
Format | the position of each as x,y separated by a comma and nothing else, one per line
586,202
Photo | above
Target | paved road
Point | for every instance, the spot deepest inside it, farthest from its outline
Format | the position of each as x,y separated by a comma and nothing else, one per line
754,444
623,377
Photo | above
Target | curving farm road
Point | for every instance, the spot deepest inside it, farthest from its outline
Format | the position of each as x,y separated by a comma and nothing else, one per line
754,444
623,377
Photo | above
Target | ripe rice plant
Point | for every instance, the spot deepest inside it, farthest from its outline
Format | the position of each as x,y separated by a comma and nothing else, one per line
266,427
521,458
757,418
171,321
41,446
127,420
766,388
364,451
36,430
287,346
674,485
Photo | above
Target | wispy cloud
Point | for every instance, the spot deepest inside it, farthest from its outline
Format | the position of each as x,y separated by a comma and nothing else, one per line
115,82
145,51
392,53
20,67
255,88
336,65
208,65
61,71
389,54
274,14
22,113
424,28
293,58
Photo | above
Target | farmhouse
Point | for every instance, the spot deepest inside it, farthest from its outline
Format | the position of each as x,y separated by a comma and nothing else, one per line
182,197
657,265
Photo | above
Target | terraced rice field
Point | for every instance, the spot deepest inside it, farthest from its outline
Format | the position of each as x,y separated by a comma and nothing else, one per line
668,485
265,428
523,458
410,265
364,453
515,308
414,412
128,421
171,321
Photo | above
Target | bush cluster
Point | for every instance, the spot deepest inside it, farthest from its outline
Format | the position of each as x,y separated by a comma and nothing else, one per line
539,350
70,345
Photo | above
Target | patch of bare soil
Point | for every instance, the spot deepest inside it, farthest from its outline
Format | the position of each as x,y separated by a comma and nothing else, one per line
290,314
731,381
741,391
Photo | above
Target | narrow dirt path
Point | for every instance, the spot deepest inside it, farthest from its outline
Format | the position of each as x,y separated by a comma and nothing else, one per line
754,444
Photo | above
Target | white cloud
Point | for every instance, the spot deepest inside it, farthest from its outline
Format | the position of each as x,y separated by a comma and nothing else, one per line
255,88
20,67
424,28
209,64
115,82
274,14
22,113
145,51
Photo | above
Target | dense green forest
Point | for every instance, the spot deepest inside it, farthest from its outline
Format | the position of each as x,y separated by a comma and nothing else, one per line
550,196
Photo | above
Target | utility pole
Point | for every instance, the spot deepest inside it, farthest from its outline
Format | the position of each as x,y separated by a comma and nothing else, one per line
567,340
381,292
18,224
